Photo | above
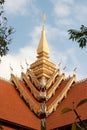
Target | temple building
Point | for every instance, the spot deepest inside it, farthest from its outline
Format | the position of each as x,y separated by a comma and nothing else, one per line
35,100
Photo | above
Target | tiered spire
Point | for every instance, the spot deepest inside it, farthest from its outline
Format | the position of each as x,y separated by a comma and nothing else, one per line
43,67
43,45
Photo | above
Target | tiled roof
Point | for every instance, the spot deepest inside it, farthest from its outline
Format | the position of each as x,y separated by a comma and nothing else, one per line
59,89
12,107
76,93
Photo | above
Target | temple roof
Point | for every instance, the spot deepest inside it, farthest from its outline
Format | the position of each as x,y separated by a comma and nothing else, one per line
14,109
77,93
41,93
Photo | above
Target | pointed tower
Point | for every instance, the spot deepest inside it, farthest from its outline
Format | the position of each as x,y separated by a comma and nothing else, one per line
43,49
43,67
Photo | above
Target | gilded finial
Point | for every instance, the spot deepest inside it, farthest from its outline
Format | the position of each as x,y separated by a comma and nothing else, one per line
43,18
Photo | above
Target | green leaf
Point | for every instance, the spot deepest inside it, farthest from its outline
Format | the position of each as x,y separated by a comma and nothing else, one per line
65,110
81,102
80,36
73,126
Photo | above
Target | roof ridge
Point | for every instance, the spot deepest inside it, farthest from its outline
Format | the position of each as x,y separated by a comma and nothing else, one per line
6,80
80,81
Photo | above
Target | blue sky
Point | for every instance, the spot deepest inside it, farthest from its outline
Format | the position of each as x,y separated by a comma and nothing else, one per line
61,15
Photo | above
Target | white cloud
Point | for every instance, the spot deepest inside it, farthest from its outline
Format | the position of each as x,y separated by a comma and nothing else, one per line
16,6
80,13
54,32
62,8
35,34
25,54
69,2
65,21
69,12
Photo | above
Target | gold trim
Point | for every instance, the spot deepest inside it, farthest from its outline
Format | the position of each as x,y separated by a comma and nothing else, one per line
33,78
55,86
52,78
25,95
34,91
60,97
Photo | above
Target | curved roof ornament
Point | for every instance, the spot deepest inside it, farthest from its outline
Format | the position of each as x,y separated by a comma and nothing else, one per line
27,64
74,70
11,69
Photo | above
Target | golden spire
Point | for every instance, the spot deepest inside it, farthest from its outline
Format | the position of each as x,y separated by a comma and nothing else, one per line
43,45
42,67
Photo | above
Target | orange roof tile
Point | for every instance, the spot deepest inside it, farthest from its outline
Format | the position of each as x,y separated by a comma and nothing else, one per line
76,93
7,128
14,109
57,92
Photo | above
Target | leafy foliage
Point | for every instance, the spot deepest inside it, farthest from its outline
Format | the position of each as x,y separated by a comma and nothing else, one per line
5,32
79,36
2,1
66,109
75,125
81,102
